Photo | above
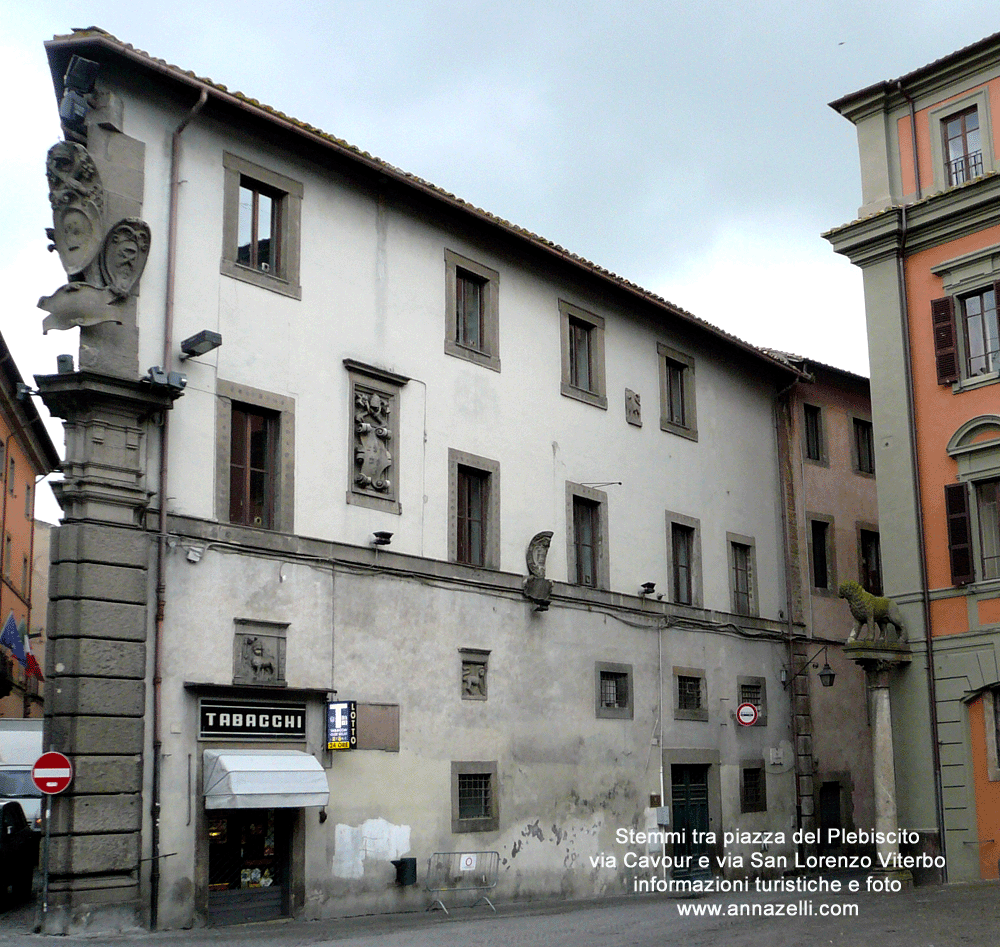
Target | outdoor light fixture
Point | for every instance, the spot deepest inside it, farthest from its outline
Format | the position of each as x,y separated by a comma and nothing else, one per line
381,537
648,588
158,378
200,344
78,83
826,675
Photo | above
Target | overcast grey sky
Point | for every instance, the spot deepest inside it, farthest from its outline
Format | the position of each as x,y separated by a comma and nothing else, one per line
686,146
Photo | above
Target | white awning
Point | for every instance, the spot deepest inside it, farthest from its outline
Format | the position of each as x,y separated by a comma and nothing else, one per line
263,779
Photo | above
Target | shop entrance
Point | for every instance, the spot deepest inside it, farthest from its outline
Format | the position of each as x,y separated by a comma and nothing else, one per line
248,865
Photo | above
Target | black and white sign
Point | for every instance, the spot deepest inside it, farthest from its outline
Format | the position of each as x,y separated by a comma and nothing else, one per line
342,725
746,714
251,720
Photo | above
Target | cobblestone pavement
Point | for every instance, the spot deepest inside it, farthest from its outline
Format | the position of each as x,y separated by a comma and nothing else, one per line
938,916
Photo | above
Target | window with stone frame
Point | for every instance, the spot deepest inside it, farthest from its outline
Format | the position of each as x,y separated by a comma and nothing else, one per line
753,789
474,510
864,446
682,547
822,552
678,412
963,153
261,222
690,694
255,457
753,690
475,803
967,337
814,444
587,536
870,560
472,311
582,355
613,690
742,574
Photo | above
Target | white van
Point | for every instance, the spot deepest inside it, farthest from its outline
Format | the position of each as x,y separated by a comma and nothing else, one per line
20,746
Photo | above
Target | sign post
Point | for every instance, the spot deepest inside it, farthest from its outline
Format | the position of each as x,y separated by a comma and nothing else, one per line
52,773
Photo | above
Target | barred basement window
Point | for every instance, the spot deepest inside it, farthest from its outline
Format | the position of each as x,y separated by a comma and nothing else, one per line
474,803
750,694
689,693
613,690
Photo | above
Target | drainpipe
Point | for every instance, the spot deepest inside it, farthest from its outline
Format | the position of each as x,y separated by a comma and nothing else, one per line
921,544
913,140
161,546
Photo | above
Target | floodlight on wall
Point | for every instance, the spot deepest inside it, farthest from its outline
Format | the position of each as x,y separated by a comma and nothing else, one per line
647,588
826,676
78,83
200,344
158,378
381,537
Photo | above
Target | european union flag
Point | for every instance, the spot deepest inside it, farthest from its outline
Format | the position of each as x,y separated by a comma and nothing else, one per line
11,637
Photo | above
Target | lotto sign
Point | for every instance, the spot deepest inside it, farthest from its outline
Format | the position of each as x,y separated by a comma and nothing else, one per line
52,773
746,714
342,725
467,861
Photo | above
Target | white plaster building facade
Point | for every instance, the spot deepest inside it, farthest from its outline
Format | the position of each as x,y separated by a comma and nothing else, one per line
399,362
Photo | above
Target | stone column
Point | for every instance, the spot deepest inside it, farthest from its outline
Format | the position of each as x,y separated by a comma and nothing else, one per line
96,663
878,664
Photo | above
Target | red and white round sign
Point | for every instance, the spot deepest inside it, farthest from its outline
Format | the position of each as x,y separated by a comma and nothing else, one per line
746,714
52,773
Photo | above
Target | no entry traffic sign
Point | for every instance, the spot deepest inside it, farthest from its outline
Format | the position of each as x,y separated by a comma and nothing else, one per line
52,773
746,714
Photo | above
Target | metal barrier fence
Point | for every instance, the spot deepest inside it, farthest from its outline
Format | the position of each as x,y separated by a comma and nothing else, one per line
462,871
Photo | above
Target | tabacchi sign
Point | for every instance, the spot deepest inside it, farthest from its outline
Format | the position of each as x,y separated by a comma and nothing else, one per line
250,720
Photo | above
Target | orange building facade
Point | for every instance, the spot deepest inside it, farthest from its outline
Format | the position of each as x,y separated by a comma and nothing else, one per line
27,455
928,242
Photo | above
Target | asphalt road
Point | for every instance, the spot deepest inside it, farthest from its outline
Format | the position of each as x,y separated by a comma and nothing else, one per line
940,916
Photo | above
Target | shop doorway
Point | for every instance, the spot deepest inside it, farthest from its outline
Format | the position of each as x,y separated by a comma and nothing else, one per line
689,795
249,878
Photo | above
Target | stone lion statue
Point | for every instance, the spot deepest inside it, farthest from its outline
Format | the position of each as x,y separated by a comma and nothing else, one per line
875,612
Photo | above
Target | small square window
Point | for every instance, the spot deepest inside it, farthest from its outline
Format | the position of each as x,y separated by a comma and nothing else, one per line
864,447
677,393
474,507
613,697
472,311
690,696
814,442
260,229
753,789
475,806
582,355
753,690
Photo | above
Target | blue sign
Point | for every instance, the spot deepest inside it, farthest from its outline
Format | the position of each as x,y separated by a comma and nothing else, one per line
342,725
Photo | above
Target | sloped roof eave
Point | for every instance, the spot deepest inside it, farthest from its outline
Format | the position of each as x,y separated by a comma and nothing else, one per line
108,42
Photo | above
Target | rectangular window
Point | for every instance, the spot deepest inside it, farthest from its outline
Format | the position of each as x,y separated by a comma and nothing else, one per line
474,799
614,689
254,457
753,690
818,547
982,342
989,527
688,693
582,355
258,240
473,502
753,789
261,215
474,508
864,447
742,599
613,697
871,561
586,532
813,417
8,555
963,151
27,501
253,440
24,578
682,547
678,414
472,311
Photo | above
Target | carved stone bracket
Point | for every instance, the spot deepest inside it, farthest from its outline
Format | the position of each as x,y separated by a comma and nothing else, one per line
536,587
